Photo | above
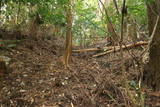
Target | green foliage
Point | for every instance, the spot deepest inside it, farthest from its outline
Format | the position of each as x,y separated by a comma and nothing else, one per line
51,11
87,25
88,22
137,9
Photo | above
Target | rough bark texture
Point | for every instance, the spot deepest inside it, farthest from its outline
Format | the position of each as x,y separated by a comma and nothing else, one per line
152,69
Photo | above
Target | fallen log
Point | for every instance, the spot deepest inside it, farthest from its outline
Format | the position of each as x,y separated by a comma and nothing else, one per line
110,49
86,50
93,49
107,48
117,48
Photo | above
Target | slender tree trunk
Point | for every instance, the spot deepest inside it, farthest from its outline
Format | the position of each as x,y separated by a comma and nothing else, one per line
81,38
152,68
109,24
0,7
116,6
68,51
18,12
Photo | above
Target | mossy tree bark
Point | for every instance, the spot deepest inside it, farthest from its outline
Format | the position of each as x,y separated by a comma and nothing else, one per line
152,68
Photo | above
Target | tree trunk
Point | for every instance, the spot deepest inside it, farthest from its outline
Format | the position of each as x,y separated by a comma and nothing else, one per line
68,51
114,38
110,27
18,12
0,8
152,69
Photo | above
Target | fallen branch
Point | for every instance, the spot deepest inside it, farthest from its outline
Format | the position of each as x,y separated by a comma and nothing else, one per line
94,49
117,48
107,48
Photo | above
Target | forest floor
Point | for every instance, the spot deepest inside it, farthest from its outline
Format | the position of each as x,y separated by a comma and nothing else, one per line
36,77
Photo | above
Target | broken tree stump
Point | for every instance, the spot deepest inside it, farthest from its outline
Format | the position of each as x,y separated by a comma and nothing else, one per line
4,62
